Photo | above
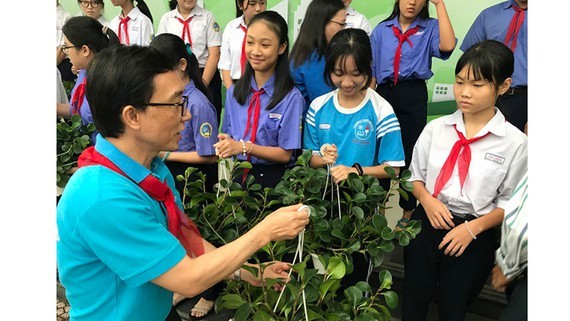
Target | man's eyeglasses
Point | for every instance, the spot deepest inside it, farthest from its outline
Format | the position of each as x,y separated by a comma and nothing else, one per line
183,104
342,24
85,4
65,48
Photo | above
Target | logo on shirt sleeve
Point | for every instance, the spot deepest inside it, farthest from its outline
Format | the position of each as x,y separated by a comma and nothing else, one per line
216,27
206,130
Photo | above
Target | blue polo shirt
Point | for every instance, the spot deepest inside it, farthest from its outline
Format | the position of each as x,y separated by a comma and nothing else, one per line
279,127
309,78
368,133
113,240
201,131
415,61
493,24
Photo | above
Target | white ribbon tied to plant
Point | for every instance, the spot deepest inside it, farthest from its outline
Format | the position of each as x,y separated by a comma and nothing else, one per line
299,254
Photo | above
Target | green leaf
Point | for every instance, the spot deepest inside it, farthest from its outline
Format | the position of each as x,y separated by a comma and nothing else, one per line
363,286
390,171
387,234
357,185
232,301
321,225
245,165
403,193
359,198
385,278
354,247
404,239
405,175
358,212
261,315
354,295
387,246
327,285
336,268
408,186
242,313
379,222
338,234
391,299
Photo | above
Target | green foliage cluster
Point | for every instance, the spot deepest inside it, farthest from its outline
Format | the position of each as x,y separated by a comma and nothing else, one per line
343,222
72,138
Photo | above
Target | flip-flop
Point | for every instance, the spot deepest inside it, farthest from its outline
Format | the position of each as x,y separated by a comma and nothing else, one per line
202,307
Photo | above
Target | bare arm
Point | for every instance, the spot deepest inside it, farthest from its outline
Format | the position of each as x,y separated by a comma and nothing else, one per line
211,64
228,147
227,78
191,276
446,33
63,110
189,157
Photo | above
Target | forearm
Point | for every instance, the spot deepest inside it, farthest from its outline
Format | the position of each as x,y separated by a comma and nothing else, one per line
191,158
227,78
487,221
446,33
317,161
269,153
420,192
378,171
211,64
192,276
63,110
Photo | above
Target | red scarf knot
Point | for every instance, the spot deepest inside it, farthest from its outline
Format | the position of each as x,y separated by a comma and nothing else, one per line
186,30
124,38
401,39
78,97
179,224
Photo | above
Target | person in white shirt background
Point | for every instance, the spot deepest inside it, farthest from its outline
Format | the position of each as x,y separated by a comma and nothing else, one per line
93,9
197,27
62,61
355,19
133,25
232,57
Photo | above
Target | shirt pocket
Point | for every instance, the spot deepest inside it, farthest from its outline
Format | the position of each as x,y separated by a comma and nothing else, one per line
270,131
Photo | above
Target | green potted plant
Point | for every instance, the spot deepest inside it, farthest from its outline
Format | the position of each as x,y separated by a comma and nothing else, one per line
72,138
345,220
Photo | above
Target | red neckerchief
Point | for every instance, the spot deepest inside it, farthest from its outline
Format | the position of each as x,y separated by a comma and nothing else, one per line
514,27
124,23
456,154
78,97
252,123
401,39
180,225
243,57
186,29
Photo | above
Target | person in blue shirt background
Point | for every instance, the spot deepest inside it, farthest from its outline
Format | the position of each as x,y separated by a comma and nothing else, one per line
84,37
196,147
403,46
507,22
322,20
119,243
360,126
262,119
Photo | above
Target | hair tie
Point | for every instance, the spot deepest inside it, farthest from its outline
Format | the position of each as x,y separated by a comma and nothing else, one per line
189,50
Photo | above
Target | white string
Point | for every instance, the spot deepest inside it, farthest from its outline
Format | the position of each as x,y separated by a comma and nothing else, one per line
368,274
298,253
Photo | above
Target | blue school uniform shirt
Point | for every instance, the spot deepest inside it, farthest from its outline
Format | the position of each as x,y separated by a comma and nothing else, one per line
493,23
368,134
85,111
113,240
309,78
201,131
415,61
279,127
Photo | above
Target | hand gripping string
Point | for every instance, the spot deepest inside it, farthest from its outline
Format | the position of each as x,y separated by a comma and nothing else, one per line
298,253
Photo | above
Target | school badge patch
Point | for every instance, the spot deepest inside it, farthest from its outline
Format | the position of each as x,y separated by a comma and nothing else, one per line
216,27
206,130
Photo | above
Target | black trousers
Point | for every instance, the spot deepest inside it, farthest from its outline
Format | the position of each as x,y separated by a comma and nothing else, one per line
456,281
215,87
515,108
173,315
409,100
517,295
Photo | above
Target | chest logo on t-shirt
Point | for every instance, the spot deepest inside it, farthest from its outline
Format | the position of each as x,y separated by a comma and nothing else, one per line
206,130
495,158
363,129
325,126
275,116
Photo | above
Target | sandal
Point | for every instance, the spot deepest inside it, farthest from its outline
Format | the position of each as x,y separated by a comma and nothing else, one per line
177,298
402,223
202,308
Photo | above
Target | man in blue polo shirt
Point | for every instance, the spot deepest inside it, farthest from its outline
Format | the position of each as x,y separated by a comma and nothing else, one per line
120,227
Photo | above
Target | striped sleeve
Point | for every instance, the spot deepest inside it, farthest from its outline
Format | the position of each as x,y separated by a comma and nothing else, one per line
512,256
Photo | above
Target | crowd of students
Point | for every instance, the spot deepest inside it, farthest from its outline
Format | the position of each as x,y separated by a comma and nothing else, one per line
354,95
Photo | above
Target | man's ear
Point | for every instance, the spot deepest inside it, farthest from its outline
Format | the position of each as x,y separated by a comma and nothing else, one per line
131,117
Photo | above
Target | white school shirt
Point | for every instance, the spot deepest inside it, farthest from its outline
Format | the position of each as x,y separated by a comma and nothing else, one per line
101,19
230,55
140,28
498,161
61,18
355,19
204,30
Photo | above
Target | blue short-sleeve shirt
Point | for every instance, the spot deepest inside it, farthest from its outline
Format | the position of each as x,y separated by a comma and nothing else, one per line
309,78
113,240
